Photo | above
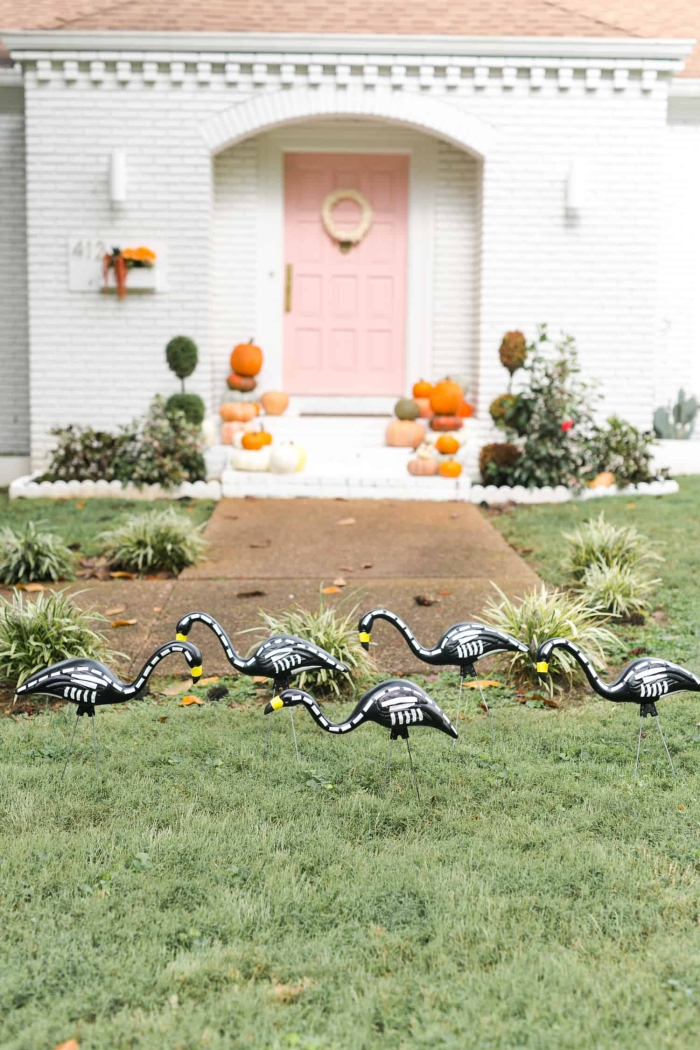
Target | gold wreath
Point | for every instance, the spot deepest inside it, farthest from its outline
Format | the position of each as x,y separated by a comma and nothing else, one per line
346,238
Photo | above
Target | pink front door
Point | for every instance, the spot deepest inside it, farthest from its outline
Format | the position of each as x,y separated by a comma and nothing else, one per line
345,314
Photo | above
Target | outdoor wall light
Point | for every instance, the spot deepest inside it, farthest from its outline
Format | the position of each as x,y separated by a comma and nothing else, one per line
575,188
117,176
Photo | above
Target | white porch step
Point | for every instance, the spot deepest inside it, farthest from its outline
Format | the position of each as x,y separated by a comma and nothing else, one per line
284,486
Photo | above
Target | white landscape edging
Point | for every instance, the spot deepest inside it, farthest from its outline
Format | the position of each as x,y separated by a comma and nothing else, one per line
27,487
560,494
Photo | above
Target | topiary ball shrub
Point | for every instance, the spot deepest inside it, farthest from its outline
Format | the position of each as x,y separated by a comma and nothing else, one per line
159,541
32,555
500,406
191,406
513,351
496,460
182,355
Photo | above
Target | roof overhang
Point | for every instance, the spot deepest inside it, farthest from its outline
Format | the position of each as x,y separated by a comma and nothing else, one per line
634,49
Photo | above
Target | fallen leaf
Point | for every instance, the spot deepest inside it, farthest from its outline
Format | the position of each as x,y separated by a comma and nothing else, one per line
340,582
70,1044
123,623
631,506
681,806
549,701
259,678
524,550
163,719
445,592
346,568
426,599
80,504
176,689
187,701
286,993
157,608
209,681
261,543
330,590
347,521
368,565
116,609
483,682
250,594
123,575
31,587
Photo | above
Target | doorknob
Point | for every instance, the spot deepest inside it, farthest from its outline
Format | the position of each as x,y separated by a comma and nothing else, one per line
288,288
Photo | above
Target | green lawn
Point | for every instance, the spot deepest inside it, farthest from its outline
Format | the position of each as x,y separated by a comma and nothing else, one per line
537,897
81,521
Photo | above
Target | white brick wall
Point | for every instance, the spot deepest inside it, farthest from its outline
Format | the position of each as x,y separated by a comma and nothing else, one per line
14,362
98,360
678,363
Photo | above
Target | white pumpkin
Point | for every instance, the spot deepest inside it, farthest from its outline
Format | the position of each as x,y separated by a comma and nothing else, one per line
210,431
251,458
285,458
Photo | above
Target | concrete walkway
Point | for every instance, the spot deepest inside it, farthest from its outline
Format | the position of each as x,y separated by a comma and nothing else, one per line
387,552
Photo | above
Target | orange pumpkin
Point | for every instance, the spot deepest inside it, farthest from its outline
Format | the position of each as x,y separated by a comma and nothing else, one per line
446,423
275,402
246,359
421,389
238,411
450,468
256,439
242,383
465,410
446,398
447,444
405,433
424,408
422,465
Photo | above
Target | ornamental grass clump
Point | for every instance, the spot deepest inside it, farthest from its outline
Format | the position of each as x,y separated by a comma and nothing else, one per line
159,541
334,631
35,634
600,542
620,590
544,614
31,554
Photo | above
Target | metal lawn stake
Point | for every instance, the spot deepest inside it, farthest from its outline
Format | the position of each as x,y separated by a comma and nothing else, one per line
460,646
280,658
641,682
89,684
395,704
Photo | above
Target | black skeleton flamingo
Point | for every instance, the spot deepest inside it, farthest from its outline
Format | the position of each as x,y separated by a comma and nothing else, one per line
280,658
460,646
396,705
642,682
89,684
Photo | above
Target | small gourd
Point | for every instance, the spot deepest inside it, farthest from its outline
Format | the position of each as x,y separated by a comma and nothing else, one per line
406,408
465,410
285,458
423,466
446,398
424,409
603,480
275,402
446,423
238,411
256,439
244,384
447,444
450,468
251,459
405,433
422,389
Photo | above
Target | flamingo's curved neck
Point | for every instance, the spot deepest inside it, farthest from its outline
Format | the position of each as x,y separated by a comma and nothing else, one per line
241,663
428,656
134,688
331,727
597,683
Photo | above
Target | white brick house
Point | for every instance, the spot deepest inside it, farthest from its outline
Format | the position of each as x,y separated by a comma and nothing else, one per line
549,178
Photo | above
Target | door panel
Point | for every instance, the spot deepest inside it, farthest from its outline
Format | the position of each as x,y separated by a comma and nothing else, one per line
345,331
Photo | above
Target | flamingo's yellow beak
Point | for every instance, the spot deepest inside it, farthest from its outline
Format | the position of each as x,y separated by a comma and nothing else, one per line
543,667
180,637
277,703
364,639
196,671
